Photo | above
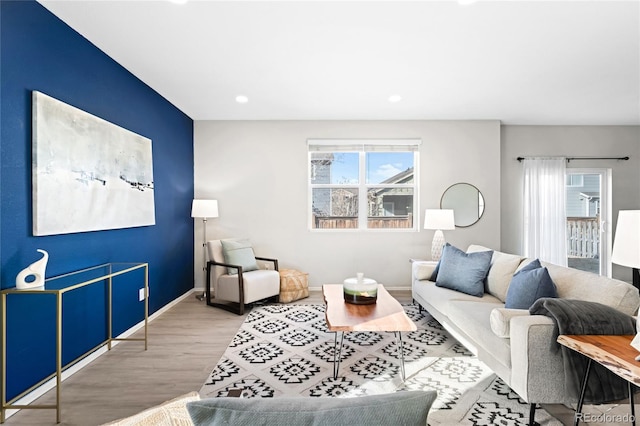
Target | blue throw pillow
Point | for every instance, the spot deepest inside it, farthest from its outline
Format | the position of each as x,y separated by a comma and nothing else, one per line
406,408
528,285
535,264
464,272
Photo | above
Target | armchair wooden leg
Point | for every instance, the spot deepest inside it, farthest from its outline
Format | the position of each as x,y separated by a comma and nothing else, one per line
236,308
532,415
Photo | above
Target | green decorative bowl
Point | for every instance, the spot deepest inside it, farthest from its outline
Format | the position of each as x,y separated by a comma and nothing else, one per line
364,292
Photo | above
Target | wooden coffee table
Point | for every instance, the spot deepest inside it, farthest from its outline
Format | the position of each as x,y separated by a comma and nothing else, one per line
614,352
385,315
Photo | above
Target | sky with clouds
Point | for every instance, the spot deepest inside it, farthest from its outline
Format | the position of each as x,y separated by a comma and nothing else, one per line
380,166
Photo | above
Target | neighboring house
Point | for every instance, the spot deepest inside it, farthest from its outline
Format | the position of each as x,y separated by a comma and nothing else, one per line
392,201
321,173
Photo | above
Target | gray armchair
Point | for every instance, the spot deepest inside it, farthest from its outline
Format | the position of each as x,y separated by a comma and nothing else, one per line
233,278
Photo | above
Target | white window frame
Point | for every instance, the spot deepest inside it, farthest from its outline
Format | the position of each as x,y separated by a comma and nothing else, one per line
362,146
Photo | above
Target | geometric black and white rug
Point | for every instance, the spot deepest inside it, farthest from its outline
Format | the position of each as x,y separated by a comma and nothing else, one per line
286,350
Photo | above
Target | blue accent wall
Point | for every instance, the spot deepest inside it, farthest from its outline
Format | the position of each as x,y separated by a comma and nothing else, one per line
40,52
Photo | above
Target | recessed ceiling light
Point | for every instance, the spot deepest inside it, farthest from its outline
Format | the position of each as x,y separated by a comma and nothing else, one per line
242,99
466,2
395,98
179,1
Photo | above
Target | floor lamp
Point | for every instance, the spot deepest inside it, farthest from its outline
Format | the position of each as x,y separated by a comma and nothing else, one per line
626,252
204,209
440,220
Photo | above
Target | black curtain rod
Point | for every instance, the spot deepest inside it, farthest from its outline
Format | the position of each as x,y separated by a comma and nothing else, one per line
586,158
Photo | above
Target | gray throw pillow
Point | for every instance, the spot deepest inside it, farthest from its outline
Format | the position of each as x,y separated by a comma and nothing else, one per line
528,285
402,408
463,272
239,252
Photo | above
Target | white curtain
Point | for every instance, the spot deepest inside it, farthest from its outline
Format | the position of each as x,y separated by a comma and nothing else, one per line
544,208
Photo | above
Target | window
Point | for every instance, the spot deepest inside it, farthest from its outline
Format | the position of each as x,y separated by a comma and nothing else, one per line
574,181
355,184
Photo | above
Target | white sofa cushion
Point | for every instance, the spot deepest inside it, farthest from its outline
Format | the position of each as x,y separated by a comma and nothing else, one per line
473,318
500,320
503,266
575,284
441,298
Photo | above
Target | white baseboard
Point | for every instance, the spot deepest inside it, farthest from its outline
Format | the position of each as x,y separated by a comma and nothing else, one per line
314,288
51,383
403,288
400,288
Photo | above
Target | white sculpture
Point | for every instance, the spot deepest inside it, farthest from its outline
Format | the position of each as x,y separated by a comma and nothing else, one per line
36,269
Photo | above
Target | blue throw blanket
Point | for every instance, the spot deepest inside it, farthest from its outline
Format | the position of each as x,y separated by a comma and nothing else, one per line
581,317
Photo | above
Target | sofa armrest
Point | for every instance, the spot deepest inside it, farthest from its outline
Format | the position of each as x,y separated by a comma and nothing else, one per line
422,270
537,372
500,320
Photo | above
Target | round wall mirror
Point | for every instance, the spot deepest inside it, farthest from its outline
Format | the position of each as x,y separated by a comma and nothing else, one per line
466,201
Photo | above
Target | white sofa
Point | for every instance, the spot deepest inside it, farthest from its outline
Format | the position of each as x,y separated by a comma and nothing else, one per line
515,345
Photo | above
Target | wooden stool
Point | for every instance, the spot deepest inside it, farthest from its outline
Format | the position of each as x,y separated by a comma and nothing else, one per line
294,285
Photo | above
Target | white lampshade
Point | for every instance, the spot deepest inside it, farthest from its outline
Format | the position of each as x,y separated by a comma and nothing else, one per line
626,247
204,208
626,252
439,219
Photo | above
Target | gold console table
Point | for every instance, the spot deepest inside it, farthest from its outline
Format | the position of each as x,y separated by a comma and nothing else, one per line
58,286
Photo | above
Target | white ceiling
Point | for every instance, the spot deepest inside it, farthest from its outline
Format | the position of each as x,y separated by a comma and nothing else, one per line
521,62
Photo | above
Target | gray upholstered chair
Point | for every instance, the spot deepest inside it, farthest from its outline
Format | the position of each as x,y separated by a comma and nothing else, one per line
238,277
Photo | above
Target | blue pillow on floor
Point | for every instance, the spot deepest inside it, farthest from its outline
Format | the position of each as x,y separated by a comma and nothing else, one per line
406,408
528,285
463,272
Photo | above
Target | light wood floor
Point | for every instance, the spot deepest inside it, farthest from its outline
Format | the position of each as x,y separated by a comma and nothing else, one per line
185,344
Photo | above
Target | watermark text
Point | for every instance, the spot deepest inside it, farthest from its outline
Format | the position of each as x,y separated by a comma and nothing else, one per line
604,418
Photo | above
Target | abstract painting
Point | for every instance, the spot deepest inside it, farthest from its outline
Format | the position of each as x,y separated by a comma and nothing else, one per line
88,174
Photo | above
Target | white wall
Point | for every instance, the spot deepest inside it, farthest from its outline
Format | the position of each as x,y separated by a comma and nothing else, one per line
257,170
569,141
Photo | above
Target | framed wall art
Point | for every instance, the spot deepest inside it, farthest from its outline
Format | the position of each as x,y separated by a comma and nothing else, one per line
88,174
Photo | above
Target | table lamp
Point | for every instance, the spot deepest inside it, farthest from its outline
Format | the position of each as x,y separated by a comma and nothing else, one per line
626,252
440,220
204,209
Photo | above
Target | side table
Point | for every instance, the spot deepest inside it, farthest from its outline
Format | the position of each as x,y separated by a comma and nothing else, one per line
58,286
611,351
